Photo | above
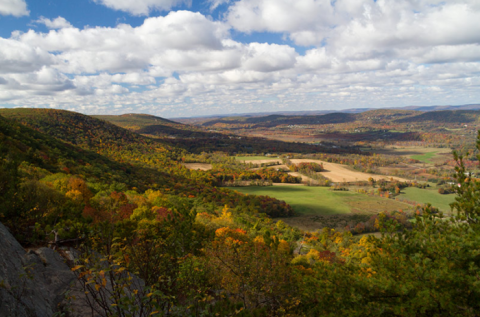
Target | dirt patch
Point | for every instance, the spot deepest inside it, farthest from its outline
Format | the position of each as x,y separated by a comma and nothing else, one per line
198,166
341,173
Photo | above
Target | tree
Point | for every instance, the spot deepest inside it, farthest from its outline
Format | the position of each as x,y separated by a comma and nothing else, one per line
467,202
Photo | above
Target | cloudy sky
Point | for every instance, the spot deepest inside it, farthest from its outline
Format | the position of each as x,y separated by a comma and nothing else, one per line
177,58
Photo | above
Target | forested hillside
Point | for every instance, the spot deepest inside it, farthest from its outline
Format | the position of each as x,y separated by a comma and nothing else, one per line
446,116
381,115
134,212
197,140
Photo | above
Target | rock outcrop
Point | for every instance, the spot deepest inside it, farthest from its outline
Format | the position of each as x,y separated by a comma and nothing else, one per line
33,283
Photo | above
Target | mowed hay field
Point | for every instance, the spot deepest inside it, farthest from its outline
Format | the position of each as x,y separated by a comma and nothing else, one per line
334,172
318,207
431,196
425,155
341,173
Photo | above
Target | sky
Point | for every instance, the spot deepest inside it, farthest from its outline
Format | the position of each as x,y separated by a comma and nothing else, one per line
184,58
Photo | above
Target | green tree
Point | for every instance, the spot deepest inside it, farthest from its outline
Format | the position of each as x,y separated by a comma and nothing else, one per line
467,202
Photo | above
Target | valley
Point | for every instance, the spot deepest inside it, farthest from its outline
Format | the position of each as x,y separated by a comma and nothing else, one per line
309,192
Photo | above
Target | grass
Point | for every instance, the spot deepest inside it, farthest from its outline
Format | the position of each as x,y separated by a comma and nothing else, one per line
304,199
412,151
319,207
424,157
307,200
431,196
254,158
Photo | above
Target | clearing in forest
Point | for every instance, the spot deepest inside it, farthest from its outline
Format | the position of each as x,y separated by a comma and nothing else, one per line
426,158
423,154
341,173
317,207
423,196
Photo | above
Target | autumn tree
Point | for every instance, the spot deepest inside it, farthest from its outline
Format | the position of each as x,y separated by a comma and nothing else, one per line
467,202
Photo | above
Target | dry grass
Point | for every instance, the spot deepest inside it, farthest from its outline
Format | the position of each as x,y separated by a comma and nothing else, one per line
341,173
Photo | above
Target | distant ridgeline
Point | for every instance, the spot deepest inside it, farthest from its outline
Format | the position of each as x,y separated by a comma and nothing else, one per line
196,139
382,115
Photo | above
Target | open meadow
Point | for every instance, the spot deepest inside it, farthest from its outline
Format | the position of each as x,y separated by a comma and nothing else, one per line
431,196
427,155
319,207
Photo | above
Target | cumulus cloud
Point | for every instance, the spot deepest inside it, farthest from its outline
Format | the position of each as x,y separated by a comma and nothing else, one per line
16,8
44,81
361,22
359,53
58,23
142,7
269,57
18,57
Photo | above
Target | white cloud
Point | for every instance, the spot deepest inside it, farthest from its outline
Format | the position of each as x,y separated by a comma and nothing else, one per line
280,15
17,57
216,3
58,23
142,7
361,22
16,8
364,53
268,57
44,81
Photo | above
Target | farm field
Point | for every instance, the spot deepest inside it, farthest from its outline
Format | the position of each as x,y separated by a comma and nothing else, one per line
431,196
426,158
425,155
341,173
305,199
318,207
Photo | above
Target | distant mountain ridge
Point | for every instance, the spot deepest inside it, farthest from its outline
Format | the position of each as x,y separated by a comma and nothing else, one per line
322,112
455,115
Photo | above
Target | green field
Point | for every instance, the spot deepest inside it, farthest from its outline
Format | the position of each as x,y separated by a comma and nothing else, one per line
307,200
304,199
431,196
255,158
424,157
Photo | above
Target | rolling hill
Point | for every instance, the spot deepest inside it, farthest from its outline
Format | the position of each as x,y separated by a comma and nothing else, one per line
386,116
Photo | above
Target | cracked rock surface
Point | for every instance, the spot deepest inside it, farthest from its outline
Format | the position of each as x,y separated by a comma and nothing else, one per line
32,283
